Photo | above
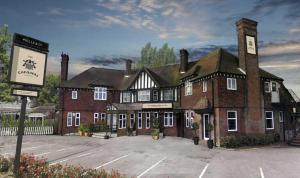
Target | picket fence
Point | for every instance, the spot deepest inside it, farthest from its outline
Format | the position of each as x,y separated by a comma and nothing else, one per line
12,131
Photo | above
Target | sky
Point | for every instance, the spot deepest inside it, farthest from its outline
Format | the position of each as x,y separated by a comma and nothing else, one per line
101,33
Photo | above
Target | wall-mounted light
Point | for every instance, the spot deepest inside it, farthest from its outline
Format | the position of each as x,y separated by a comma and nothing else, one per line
294,109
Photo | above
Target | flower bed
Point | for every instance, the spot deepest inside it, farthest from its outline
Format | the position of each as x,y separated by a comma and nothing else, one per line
39,168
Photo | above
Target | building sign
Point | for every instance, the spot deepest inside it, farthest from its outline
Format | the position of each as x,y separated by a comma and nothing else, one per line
157,105
20,92
28,61
251,49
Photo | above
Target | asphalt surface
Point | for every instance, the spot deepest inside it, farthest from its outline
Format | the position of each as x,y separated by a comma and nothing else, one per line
141,156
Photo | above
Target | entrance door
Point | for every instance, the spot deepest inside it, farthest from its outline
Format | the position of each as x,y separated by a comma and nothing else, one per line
205,126
114,123
179,124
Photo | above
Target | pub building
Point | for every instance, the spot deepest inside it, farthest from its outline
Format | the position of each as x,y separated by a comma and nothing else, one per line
230,92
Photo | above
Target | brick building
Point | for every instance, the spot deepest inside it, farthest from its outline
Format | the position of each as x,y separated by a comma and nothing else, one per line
231,92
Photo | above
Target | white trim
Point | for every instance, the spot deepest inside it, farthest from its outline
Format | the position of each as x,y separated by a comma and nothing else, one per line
205,138
148,119
231,84
188,88
69,115
100,93
103,116
96,117
122,120
140,120
77,116
74,95
132,118
232,130
272,118
204,86
168,119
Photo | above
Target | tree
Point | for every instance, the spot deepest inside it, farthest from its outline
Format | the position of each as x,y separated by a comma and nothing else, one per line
49,92
5,45
153,57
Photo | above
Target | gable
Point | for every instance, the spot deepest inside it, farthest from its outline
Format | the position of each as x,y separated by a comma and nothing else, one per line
143,81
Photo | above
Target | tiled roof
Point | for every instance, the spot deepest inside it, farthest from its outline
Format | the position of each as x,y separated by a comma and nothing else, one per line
166,76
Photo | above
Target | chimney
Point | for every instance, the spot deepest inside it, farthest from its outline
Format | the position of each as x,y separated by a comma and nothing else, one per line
64,67
248,61
128,67
184,58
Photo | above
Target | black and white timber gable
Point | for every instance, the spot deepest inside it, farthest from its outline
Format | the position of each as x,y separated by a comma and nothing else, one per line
144,81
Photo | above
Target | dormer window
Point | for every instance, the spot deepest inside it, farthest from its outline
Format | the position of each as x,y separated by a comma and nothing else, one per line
100,93
231,84
188,88
274,88
74,95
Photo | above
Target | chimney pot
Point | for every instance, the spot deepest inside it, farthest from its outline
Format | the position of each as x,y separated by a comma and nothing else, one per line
64,67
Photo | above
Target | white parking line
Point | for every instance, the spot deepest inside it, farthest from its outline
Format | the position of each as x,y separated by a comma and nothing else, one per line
203,171
83,155
261,173
42,154
111,161
58,162
154,165
63,149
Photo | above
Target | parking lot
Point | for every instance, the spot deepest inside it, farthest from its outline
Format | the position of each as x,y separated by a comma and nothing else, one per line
141,156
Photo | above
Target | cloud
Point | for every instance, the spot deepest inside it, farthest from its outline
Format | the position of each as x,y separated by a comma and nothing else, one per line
105,61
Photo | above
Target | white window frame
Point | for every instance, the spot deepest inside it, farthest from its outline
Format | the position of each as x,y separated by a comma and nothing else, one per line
122,121
188,88
169,91
230,82
168,119
236,126
272,86
272,118
157,95
100,93
147,97
204,126
204,86
69,119
140,120
132,119
77,119
148,119
155,114
189,118
281,116
126,94
103,116
74,95
268,88
96,117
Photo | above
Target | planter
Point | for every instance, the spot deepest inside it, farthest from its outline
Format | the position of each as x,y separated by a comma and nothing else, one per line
155,137
196,140
106,136
86,134
81,133
134,133
210,143
161,135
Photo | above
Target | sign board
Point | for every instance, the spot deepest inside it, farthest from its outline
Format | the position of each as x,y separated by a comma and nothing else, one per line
21,92
157,105
251,48
28,61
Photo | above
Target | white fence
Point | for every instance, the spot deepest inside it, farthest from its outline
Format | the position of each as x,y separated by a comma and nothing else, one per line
12,131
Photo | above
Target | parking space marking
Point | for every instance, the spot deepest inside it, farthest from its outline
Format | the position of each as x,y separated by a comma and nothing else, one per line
203,171
83,155
41,154
63,149
153,166
111,161
261,173
58,162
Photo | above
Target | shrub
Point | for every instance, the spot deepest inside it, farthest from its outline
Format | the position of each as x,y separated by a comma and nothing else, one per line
5,164
248,140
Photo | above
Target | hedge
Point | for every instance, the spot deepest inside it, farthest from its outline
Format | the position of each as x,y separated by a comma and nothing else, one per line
248,140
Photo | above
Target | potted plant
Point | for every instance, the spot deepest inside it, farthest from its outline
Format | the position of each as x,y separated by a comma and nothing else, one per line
155,134
106,128
81,130
210,142
129,131
90,130
195,127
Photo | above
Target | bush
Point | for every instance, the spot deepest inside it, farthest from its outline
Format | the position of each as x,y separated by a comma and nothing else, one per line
248,140
5,164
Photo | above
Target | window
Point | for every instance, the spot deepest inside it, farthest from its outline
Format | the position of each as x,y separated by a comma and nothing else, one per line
168,119
77,119
144,95
122,121
74,95
131,120
188,88
206,122
281,116
232,120
189,118
100,93
103,116
147,120
274,88
267,87
69,119
139,120
231,84
155,95
168,95
96,117
269,120
126,97
155,115
204,86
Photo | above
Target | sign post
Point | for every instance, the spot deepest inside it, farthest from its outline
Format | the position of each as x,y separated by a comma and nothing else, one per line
27,74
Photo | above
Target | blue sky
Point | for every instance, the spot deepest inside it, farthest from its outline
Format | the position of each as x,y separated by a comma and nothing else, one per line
110,29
